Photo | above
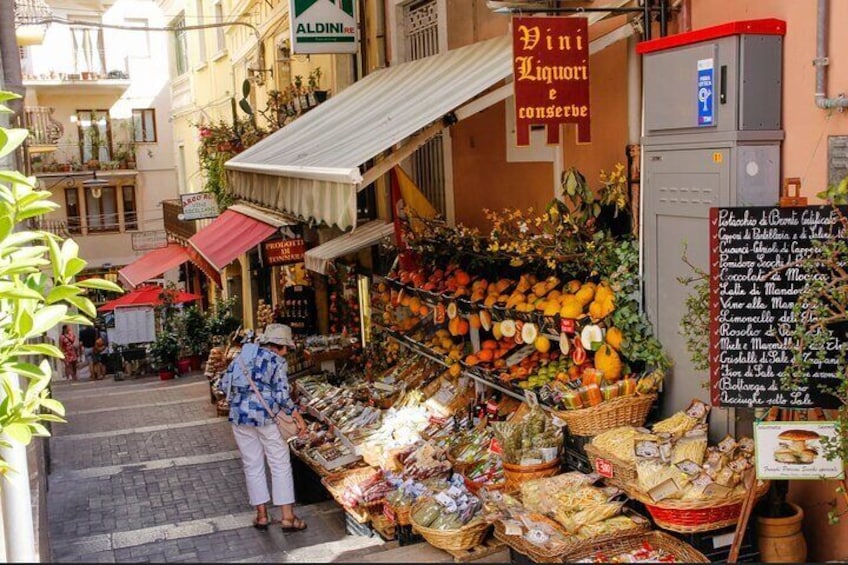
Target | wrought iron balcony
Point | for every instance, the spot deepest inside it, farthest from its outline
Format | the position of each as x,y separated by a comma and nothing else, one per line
44,130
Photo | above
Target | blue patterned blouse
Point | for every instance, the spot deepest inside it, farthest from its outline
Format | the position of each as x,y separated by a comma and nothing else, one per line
270,374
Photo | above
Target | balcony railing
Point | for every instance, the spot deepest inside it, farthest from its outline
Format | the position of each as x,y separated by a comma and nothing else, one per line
56,227
181,229
44,130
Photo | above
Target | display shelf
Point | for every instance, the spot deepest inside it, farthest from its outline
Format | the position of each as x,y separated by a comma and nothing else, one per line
424,352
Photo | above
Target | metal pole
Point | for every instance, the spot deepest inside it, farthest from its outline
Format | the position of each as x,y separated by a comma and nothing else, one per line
663,18
646,34
15,500
18,528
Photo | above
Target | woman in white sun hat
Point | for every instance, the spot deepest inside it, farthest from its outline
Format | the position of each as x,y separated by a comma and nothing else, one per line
256,432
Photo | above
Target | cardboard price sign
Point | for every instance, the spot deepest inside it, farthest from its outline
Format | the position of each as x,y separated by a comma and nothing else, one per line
284,251
551,70
604,468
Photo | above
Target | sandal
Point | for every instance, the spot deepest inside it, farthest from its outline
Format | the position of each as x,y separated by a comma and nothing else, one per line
261,521
294,525
260,525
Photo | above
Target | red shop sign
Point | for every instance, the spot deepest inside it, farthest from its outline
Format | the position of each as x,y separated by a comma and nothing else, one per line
284,251
551,75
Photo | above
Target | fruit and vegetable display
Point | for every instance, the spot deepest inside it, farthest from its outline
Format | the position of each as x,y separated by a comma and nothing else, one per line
529,333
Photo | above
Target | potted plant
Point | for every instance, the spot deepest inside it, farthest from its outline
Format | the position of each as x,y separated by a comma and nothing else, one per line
96,139
315,85
194,336
165,352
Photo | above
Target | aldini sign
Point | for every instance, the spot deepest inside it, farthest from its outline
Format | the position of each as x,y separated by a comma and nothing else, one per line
323,26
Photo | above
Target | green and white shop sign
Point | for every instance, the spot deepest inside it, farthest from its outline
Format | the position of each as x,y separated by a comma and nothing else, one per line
323,26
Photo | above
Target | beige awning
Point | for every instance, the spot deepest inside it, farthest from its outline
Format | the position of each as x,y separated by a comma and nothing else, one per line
320,259
311,167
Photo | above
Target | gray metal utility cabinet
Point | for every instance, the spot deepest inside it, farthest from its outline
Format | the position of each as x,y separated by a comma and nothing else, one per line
712,134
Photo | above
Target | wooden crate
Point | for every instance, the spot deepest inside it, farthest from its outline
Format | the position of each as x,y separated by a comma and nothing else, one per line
488,547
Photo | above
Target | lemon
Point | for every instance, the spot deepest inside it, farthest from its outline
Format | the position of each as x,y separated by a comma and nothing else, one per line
542,344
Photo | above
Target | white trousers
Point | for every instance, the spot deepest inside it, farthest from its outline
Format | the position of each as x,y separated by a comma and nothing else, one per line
257,444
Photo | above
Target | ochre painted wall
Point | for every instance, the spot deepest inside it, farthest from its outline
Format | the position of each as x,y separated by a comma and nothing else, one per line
608,98
482,177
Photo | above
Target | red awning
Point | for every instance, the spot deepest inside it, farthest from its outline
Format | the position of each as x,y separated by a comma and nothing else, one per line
228,236
154,264
150,295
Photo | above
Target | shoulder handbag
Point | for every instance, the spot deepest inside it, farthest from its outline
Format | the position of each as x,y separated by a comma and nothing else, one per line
286,424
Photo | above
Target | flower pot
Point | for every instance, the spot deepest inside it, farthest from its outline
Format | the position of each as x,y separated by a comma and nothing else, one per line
780,539
196,362
165,374
321,95
184,365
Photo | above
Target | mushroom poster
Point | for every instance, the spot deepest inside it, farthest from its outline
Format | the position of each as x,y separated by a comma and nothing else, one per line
797,450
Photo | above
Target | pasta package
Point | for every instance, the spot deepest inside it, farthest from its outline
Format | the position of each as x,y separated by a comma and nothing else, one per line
691,447
618,442
677,424
536,493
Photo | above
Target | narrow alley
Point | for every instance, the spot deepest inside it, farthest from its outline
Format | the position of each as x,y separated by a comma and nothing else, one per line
145,471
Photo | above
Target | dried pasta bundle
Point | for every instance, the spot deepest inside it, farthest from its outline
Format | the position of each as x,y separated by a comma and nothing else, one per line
677,424
618,442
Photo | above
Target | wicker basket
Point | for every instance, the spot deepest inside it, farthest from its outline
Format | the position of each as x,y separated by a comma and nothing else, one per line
466,537
336,483
683,552
399,515
617,473
575,545
515,475
629,410
693,516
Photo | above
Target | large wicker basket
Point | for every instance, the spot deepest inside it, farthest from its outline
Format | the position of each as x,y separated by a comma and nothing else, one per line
516,475
470,535
541,555
629,410
336,483
615,471
610,548
693,516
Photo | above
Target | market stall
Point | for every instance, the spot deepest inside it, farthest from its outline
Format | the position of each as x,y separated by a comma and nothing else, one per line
504,397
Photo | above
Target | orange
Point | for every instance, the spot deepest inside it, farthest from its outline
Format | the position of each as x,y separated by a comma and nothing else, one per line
614,338
455,370
485,355
472,360
474,321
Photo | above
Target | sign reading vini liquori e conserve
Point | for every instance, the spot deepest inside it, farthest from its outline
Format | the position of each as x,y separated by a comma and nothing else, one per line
323,26
551,75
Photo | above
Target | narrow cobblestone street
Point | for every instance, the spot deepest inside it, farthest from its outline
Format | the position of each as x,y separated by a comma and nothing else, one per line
145,471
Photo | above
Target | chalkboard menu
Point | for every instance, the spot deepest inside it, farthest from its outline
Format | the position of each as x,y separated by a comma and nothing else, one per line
751,318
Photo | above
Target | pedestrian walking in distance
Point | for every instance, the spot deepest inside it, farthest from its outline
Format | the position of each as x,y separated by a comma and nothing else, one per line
68,345
255,429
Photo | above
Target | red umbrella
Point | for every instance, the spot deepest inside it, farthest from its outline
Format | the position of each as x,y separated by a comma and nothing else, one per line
149,295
